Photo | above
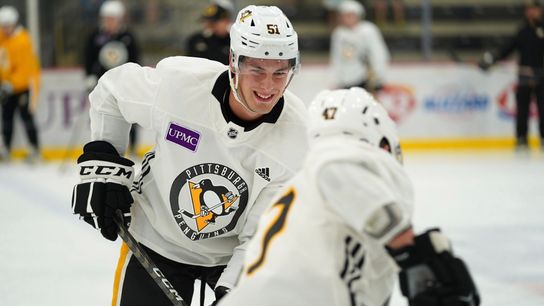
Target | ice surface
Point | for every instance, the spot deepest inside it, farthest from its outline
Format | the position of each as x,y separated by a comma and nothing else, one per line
491,204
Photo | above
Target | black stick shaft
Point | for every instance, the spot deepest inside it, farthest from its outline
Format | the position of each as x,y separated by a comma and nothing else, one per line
147,263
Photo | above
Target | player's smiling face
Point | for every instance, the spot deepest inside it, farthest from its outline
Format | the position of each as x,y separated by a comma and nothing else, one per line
261,85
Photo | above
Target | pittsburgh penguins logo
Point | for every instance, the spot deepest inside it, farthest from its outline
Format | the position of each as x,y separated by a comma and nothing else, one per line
245,15
207,200
113,54
348,50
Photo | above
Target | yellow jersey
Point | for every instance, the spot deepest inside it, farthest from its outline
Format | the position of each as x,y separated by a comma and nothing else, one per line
19,65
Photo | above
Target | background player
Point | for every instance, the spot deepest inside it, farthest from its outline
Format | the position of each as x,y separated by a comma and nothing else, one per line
19,81
322,241
359,56
109,46
227,139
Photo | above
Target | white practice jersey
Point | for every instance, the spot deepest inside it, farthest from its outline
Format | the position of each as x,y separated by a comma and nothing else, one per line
207,180
310,248
357,51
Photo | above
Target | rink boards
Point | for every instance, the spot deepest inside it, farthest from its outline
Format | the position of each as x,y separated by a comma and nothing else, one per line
436,105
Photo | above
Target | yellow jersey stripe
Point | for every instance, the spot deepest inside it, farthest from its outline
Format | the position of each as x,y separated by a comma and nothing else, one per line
119,273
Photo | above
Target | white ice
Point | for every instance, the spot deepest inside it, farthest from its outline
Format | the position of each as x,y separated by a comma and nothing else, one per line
491,204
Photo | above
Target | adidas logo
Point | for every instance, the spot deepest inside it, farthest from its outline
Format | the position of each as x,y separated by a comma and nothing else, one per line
264,173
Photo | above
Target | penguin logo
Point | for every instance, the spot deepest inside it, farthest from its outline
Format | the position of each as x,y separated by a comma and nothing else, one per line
113,54
245,15
207,200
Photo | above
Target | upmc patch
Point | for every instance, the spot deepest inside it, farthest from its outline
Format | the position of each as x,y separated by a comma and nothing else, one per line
183,136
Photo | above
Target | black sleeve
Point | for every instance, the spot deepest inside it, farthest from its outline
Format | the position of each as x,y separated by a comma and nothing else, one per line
133,49
91,54
191,45
508,48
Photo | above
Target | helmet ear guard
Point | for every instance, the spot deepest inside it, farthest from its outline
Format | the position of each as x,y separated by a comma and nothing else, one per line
353,113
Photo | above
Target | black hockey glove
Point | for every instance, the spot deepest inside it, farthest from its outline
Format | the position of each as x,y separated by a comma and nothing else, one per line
220,292
104,187
430,274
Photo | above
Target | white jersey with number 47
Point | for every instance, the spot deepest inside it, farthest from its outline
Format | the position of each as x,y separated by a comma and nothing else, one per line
310,247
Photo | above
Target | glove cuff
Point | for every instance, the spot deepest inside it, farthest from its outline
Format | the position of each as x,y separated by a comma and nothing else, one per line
430,243
220,292
103,150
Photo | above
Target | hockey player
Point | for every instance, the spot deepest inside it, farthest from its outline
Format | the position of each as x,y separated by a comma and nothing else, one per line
359,56
227,138
324,240
109,46
19,81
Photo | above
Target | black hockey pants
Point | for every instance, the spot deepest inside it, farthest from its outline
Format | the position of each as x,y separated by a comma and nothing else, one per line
526,88
133,286
10,104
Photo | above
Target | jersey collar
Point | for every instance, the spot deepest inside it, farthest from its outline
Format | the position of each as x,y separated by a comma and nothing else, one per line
221,91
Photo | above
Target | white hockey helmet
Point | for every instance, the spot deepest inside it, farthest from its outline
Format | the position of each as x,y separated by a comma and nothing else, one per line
263,32
354,113
8,15
352,6
112,8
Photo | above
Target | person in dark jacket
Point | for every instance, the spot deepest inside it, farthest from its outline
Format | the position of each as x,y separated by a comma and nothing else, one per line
109,46
529,44
213,42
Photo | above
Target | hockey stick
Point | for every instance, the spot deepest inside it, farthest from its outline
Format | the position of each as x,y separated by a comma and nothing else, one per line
454,56
147,263
205,212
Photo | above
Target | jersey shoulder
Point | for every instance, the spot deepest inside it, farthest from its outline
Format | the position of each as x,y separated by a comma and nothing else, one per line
295,111
288,140
189,73
21,38
127,37
367,27
187,65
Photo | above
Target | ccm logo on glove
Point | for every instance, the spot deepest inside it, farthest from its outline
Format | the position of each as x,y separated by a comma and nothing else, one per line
104,188
104,170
